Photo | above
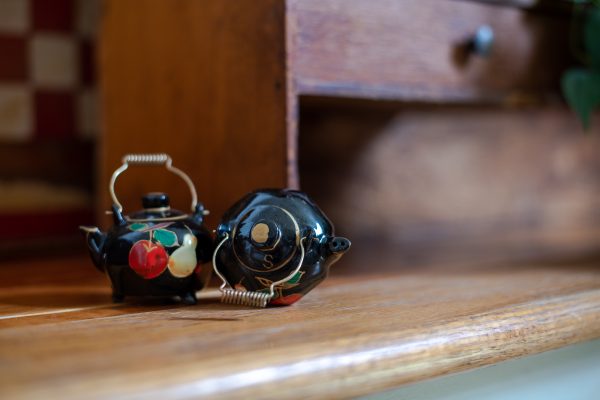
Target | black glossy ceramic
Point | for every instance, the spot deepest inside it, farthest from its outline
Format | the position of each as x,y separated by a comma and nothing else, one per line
157,251
269,234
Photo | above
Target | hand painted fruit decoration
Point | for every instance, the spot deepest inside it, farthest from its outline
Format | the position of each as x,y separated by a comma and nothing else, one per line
157,251
148,259
274,247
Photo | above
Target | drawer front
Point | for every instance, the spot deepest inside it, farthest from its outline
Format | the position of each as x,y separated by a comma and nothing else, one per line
414,49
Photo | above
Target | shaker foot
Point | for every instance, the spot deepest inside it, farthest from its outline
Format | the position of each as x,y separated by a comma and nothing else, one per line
118,298
189,298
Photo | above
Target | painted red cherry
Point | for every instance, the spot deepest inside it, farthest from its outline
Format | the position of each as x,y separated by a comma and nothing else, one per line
148,259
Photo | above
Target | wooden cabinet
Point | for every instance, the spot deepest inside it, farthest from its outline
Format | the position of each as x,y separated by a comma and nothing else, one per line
406,139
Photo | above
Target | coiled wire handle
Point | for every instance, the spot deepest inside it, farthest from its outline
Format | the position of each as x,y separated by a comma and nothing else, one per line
149,159
249,298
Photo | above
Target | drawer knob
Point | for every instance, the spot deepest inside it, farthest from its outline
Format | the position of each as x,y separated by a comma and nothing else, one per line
483,41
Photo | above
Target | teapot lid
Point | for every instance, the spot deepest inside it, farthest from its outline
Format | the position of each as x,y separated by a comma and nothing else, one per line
156,208
266,238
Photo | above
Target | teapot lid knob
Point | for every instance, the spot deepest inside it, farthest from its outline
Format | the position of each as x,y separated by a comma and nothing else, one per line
155,200
265,235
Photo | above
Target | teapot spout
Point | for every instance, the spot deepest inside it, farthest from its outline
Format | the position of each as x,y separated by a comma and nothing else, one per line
336,246
95,241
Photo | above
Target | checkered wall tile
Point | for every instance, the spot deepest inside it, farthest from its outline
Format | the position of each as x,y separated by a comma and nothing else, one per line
46,69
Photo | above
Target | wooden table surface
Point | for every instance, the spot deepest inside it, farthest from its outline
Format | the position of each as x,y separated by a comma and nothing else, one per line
358,333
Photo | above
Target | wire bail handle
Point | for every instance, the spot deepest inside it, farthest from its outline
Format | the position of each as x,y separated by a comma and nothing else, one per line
250,298
149,159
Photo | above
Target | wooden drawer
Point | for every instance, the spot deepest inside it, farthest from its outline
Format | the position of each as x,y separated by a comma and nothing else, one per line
438,184
410,49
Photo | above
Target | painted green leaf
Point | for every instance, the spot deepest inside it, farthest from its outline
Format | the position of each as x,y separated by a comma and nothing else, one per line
296,277
138,226
582,91
165,237
591,37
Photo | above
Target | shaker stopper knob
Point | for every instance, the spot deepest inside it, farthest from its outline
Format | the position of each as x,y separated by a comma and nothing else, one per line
265,235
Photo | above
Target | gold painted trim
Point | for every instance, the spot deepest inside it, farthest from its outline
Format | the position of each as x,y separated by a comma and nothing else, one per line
158,209
165,219
286,261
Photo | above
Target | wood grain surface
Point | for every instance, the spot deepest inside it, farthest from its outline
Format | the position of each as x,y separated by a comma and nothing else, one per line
471,183
415,50
356,334
201,80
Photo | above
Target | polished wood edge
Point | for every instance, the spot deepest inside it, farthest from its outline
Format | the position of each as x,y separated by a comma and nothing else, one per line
366,363
375,363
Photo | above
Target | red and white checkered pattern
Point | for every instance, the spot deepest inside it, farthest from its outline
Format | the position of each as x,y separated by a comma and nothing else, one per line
46,69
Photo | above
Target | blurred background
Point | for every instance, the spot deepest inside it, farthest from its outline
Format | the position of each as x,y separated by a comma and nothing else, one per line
439,137
48,121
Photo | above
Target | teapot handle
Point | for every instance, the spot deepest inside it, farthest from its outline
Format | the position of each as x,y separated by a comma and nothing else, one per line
149,159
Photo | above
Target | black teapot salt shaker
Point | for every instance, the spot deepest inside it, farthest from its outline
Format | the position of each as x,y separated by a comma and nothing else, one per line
157,251
274,246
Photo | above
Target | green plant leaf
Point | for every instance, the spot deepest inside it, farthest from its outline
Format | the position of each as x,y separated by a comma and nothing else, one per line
581,88
591,36
165,237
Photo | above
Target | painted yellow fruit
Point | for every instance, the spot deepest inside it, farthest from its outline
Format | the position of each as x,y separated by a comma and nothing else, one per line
183,260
